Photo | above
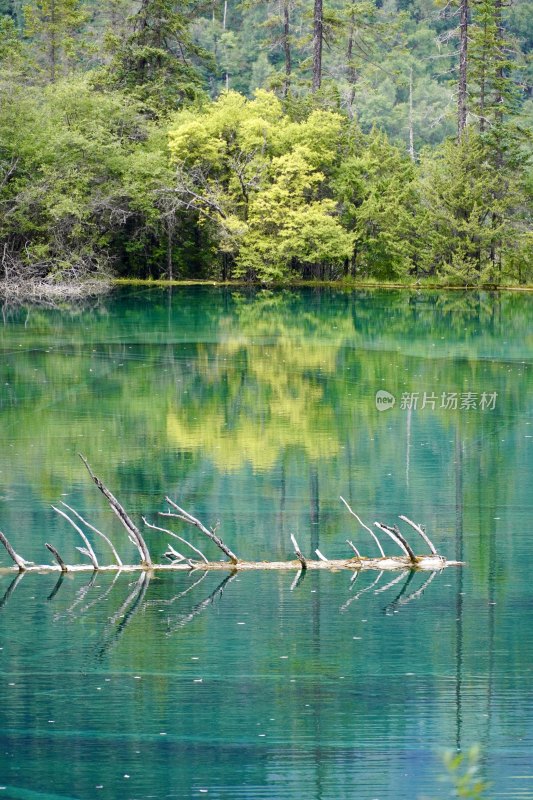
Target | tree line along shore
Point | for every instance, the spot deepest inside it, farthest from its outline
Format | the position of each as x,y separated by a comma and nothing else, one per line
271,142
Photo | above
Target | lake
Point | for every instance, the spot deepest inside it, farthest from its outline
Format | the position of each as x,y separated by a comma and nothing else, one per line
259,409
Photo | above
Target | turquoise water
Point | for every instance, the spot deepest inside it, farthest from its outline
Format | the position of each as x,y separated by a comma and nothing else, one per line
259,409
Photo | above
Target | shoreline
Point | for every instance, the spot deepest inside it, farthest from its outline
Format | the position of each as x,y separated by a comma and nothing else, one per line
318,284
44,293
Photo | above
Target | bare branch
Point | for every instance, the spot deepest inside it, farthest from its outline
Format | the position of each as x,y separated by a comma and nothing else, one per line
186,517
371,532
57,557
134,534
110,543
175,535
354,548
21,564
87,550
419,529
321,556
174,555
403,540
298,552
396,536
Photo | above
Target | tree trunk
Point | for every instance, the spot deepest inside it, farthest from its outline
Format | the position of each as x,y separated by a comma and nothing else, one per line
463,65
411,126
286,48
499,108
318,33
499,59
483,79
170,265
352,72
53,42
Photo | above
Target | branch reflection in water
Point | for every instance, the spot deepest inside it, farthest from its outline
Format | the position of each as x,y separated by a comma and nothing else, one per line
135,600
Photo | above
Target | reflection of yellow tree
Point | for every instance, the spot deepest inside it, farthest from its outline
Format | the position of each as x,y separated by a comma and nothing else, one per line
264,390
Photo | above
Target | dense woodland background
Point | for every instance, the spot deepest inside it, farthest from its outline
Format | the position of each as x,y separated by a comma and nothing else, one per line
266,139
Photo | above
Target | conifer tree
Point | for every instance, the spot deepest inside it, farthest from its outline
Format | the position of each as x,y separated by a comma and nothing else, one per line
280,39
493,91
156,62
54,26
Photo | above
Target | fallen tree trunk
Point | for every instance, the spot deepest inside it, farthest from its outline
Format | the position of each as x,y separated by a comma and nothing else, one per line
407,560
388,563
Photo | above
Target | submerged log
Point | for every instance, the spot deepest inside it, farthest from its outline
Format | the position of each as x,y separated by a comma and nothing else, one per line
426,563
407,561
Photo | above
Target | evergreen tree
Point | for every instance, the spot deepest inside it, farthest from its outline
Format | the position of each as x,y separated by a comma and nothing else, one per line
280,39
10,44
376,186
54,26
494,94
476,220
156,62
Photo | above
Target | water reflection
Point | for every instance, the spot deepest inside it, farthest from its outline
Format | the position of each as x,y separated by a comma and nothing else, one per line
259,409
332,696
136,598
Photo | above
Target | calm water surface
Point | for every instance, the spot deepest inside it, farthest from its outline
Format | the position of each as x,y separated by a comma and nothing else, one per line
258,409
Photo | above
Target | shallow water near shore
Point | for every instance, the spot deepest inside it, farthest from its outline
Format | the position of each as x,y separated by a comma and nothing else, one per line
259,409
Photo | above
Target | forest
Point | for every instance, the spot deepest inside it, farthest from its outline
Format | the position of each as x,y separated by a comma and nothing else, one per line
266,141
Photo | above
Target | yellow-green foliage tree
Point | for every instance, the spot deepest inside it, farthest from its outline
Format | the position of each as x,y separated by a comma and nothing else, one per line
259,181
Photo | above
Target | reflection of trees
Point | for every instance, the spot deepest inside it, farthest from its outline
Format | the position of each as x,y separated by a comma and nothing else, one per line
190,386
286,374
